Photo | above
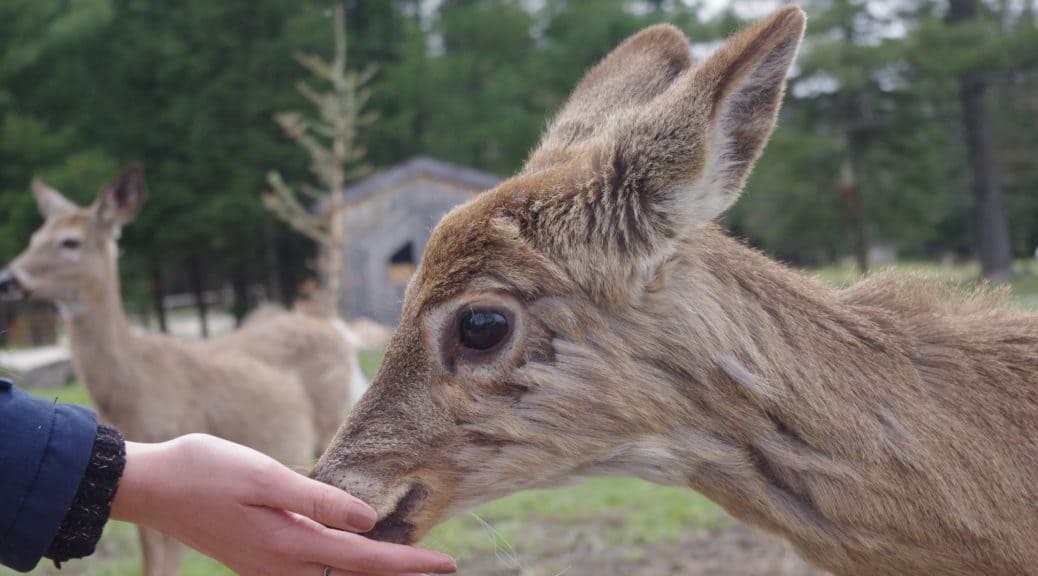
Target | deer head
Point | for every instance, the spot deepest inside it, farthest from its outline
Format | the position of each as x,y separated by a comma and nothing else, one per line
71,259
514,365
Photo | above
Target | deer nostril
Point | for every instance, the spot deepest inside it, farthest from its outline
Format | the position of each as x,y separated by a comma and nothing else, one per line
8,284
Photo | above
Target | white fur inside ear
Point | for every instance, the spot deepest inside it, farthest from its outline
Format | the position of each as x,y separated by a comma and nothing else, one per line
104,214
741,127
112,247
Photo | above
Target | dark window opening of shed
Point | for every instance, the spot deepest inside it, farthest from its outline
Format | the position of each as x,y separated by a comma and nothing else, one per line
401,263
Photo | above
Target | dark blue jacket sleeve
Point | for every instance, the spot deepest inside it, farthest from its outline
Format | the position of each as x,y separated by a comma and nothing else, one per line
44,451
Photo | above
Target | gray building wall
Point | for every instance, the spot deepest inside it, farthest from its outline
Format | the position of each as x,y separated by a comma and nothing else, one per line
385,220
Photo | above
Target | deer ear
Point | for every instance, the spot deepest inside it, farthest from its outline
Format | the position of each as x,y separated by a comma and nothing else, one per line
746,80
614,208
50,202
682,160
122,198
629,77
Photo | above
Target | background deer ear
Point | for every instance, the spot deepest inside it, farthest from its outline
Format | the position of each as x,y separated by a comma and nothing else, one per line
50,202
629,77
122,197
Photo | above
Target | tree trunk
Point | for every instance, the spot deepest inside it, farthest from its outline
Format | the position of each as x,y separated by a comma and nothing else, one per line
418,126
196,276
855,202
240,286
275,293
993,247
6,316
341,142
288,274
857,112
333,255
158,299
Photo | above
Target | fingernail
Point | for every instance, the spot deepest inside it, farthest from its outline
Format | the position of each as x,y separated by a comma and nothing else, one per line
449,564
362,518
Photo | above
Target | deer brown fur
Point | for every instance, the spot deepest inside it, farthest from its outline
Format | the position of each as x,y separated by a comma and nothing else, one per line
887,428
280,384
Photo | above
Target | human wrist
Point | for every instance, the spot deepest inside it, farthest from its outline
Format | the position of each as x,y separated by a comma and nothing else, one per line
140,489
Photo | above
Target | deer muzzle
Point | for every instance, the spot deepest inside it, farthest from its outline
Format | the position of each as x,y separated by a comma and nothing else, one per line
10,287
397,526
397,502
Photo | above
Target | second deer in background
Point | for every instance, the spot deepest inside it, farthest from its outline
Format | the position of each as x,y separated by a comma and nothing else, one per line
280,384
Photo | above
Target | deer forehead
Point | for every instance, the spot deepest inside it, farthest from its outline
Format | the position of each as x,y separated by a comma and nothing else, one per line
480,246
74,225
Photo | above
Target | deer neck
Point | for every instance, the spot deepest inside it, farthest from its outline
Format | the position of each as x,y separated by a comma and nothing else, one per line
782,383
102,342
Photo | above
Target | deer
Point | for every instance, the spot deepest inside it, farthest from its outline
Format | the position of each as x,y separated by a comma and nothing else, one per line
588,317
280,384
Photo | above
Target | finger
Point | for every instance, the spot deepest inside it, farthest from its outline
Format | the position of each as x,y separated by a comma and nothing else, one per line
346,551
320,502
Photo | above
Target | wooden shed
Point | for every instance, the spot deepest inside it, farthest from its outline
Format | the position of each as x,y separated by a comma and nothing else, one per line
27,324
388,220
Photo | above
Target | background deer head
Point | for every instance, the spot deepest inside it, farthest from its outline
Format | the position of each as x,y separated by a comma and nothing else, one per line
518,362
71,259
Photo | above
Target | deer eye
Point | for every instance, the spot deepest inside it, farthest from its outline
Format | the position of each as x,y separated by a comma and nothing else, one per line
481,330
70,244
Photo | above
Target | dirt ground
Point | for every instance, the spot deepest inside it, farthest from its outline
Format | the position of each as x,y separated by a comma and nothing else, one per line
736,551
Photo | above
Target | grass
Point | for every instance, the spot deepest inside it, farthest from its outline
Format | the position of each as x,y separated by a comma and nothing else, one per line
626,513
1025,280
1024,283
634,513
71,393
369,362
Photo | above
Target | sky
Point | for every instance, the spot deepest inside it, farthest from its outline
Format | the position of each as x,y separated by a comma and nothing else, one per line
747,8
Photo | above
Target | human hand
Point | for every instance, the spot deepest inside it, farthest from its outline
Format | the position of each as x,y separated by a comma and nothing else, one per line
255,515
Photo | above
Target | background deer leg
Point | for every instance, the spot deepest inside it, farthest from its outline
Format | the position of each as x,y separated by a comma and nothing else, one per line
172,552
160,554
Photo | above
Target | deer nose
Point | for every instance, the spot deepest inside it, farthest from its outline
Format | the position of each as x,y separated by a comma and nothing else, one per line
9,287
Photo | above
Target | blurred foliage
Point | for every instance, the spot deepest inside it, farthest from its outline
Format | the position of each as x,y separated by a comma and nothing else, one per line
189,88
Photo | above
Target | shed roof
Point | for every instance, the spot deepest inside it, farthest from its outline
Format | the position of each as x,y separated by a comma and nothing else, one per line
419,167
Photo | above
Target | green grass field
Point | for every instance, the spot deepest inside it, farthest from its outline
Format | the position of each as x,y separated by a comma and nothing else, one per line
531,533
1024,284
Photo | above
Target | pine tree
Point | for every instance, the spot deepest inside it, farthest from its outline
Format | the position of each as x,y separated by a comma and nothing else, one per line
335,159
993,245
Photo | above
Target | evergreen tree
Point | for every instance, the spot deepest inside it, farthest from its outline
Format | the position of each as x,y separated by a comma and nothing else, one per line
993,249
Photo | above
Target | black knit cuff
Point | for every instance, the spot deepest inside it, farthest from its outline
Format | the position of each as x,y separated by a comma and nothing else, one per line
81,529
